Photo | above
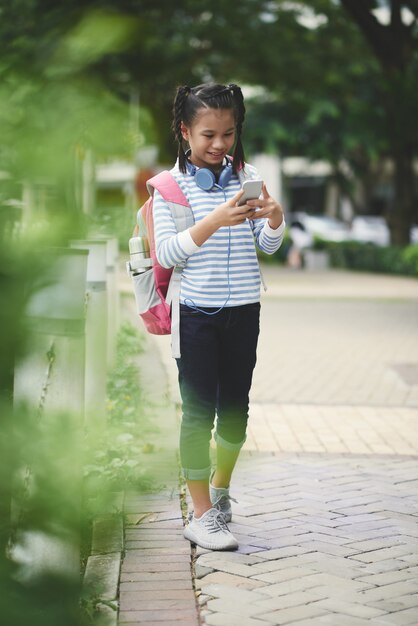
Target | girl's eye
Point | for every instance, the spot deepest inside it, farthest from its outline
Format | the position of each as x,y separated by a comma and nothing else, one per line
211,136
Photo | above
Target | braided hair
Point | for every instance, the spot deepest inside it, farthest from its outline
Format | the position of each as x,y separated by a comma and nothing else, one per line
189,100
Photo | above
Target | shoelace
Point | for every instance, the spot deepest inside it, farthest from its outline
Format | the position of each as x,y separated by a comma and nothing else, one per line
225,497
215,522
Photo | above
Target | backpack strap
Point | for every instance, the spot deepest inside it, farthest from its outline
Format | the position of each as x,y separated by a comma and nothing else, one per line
168,187
173,298
183,218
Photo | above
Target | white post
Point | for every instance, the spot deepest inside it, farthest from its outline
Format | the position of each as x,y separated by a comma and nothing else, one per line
96,330
49,381
112,258
269,168
89,186
56,315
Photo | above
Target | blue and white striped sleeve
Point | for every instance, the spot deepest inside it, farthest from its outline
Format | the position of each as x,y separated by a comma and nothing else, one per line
171,247
268,239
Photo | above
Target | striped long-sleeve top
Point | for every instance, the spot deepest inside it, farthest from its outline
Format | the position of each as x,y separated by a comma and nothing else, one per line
224,269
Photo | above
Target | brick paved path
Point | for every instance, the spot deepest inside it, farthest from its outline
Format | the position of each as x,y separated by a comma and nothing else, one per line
328,483
324,539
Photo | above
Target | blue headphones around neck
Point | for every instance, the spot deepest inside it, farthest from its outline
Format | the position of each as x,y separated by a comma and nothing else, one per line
206,179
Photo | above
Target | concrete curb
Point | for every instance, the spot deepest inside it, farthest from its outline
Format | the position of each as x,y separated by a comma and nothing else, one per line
104,563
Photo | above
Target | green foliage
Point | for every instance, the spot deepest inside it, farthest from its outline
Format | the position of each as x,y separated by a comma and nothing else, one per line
116,457
49,114
53,107
319,243
353,255
367,257
39,574
117,221
54,502
410,257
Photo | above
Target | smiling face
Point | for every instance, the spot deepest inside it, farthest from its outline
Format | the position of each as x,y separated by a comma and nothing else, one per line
211,136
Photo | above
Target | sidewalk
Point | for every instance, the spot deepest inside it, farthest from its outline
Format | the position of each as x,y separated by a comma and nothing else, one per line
327,483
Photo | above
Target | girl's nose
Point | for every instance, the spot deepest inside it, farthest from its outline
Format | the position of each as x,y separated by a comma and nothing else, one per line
218,142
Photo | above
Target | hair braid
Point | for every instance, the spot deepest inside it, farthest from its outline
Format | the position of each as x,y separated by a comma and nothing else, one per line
178,106
239,157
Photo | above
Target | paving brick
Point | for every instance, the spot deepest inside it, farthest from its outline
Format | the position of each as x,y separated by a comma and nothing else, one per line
334,619
181,621
408,617
391,591
388,565
383,554
337,583
377,544
283,573
137,555
229,579
337,605
294,614
160,576
227,605
308,560
155,585
160,615
161,566
329,548
244,596
296,598
178,547
148,600
226,619
288,551
290,586
144,544
386,578
397,604
214,558
200,571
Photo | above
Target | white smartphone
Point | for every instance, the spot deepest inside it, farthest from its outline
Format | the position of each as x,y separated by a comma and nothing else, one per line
252,190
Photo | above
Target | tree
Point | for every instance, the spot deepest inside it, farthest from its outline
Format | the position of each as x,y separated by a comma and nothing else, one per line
341,85
337,95
395,46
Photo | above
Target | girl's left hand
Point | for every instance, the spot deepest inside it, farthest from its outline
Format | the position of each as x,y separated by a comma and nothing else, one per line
269,207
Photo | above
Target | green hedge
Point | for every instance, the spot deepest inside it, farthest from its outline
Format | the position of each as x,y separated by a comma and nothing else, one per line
353,255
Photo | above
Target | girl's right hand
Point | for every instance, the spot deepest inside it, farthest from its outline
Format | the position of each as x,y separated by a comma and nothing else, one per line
230,214
226,214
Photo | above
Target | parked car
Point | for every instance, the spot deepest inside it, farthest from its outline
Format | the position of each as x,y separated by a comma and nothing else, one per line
370,229
374,229
328,228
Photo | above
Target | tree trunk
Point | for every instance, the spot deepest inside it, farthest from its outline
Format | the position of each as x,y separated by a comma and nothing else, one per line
400,122
401,214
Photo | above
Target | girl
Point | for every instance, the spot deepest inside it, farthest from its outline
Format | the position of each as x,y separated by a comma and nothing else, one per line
219,298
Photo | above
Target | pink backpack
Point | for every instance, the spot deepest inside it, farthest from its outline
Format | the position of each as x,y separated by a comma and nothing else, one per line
157,289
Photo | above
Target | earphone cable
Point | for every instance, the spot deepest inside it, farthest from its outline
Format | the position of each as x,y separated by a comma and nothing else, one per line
192,305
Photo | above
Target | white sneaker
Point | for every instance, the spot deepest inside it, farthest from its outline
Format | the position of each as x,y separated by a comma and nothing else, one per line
221,500
210,531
